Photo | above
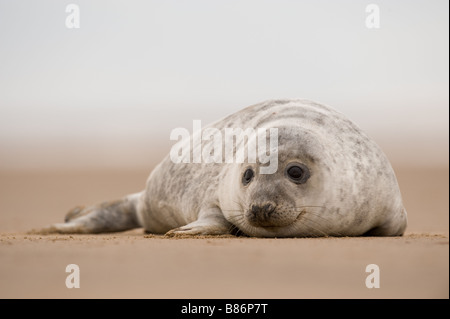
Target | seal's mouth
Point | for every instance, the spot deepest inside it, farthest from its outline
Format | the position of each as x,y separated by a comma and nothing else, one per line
290,222
281,223
273,220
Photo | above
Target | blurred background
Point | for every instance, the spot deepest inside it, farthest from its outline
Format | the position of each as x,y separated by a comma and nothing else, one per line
86,113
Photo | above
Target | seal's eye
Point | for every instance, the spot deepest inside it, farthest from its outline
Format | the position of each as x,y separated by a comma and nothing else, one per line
298,173
248,176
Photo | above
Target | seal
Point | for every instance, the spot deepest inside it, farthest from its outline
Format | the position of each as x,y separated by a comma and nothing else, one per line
331,180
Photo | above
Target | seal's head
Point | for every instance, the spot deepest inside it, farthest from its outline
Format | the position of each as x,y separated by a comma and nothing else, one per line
288,201
331,180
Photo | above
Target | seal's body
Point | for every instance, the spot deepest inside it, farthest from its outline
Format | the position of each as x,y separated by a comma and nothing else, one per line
331,180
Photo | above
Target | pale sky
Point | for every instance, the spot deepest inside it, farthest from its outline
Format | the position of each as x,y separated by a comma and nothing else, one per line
135,70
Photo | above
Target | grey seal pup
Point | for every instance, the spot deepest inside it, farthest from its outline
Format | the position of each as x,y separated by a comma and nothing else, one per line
331,179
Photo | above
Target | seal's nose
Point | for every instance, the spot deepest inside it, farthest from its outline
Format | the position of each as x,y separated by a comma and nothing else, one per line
262,212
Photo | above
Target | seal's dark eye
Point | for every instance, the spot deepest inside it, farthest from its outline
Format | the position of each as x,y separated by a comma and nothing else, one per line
248,176
298,173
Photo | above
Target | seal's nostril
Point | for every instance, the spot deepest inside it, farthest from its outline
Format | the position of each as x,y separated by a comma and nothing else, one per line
268,209
262,212
255,210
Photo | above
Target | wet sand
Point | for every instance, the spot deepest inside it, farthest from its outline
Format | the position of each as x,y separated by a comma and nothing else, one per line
134,265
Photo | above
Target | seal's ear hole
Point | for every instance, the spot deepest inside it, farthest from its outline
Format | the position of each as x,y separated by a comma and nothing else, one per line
248,176
298,173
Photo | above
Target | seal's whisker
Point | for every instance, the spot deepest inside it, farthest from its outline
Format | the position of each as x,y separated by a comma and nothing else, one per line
325,234
236,202
296,230
316,214
233,229
323,225
235,218
337,212
329,227
317,228
239,216
309,206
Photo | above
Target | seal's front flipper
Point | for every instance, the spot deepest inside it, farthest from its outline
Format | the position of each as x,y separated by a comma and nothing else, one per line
107,217
209,222
197,228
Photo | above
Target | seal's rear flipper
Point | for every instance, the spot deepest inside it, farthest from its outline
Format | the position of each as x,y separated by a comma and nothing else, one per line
107,217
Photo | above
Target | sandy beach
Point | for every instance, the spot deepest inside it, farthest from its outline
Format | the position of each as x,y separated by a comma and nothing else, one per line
94,94
135,265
